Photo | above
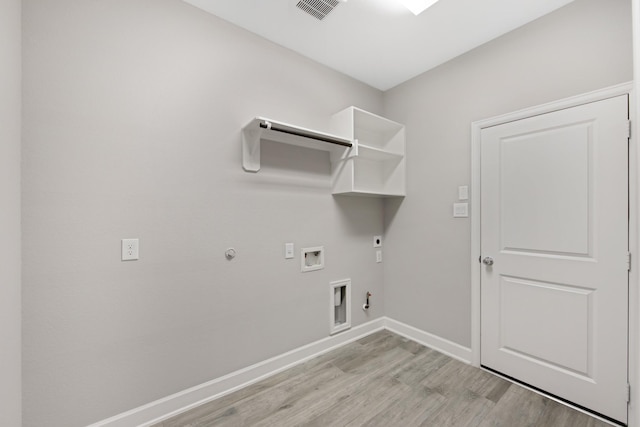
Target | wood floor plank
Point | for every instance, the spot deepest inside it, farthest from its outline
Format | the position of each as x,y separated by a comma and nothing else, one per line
425,363
481,382
368,374
413,347
358,406
499,388
466,409
517,406
410,408
449,379
369,351
383,380
556,414
226,401
382,363
255,406
314,404
376,336
205,409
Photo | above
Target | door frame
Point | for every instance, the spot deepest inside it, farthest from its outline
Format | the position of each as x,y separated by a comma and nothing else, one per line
633,356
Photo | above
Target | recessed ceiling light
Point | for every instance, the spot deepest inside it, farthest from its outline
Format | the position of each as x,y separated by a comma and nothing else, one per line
417,6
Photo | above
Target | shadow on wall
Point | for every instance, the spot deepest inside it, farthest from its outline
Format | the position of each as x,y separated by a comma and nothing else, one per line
287,167
357,212
391,208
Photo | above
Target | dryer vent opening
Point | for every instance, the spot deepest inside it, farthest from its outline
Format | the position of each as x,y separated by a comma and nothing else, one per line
339,306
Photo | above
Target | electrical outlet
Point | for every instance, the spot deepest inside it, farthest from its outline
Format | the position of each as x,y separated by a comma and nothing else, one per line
378,256
461,210
130,249
377,241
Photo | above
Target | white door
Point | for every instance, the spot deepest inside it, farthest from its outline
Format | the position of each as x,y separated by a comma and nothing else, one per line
554,221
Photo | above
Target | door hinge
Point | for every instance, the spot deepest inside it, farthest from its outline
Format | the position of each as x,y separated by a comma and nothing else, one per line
628,261
628,392
629,126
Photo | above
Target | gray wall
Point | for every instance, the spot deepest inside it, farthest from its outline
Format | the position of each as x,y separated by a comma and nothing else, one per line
132,116
10,346
581,47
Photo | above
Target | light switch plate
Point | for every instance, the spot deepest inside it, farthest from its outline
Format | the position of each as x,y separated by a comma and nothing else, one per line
288,250
463,192
130,249
461,210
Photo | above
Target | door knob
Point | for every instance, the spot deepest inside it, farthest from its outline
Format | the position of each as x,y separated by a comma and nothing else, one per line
488,261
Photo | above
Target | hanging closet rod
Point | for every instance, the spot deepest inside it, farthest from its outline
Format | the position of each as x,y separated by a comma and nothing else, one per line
269,126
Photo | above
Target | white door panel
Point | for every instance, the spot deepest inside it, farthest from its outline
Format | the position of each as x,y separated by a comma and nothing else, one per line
562,341
554,218
540,193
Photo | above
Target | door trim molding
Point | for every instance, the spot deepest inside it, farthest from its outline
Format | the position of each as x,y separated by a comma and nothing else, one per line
634,300
634,215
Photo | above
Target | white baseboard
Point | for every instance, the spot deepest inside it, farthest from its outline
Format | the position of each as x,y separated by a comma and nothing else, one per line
169,406
432,341
162,409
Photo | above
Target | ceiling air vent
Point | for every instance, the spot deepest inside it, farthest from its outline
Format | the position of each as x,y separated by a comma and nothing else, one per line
318,8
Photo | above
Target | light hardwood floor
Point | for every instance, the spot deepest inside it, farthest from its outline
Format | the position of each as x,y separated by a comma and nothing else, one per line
383,380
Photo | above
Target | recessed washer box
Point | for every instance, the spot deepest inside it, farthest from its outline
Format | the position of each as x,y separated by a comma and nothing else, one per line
312,259
339,306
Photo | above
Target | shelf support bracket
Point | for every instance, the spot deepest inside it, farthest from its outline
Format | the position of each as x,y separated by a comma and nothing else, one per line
251,150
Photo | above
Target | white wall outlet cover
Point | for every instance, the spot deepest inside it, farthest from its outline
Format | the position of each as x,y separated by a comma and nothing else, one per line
461,210
378,256
377,241
130,249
